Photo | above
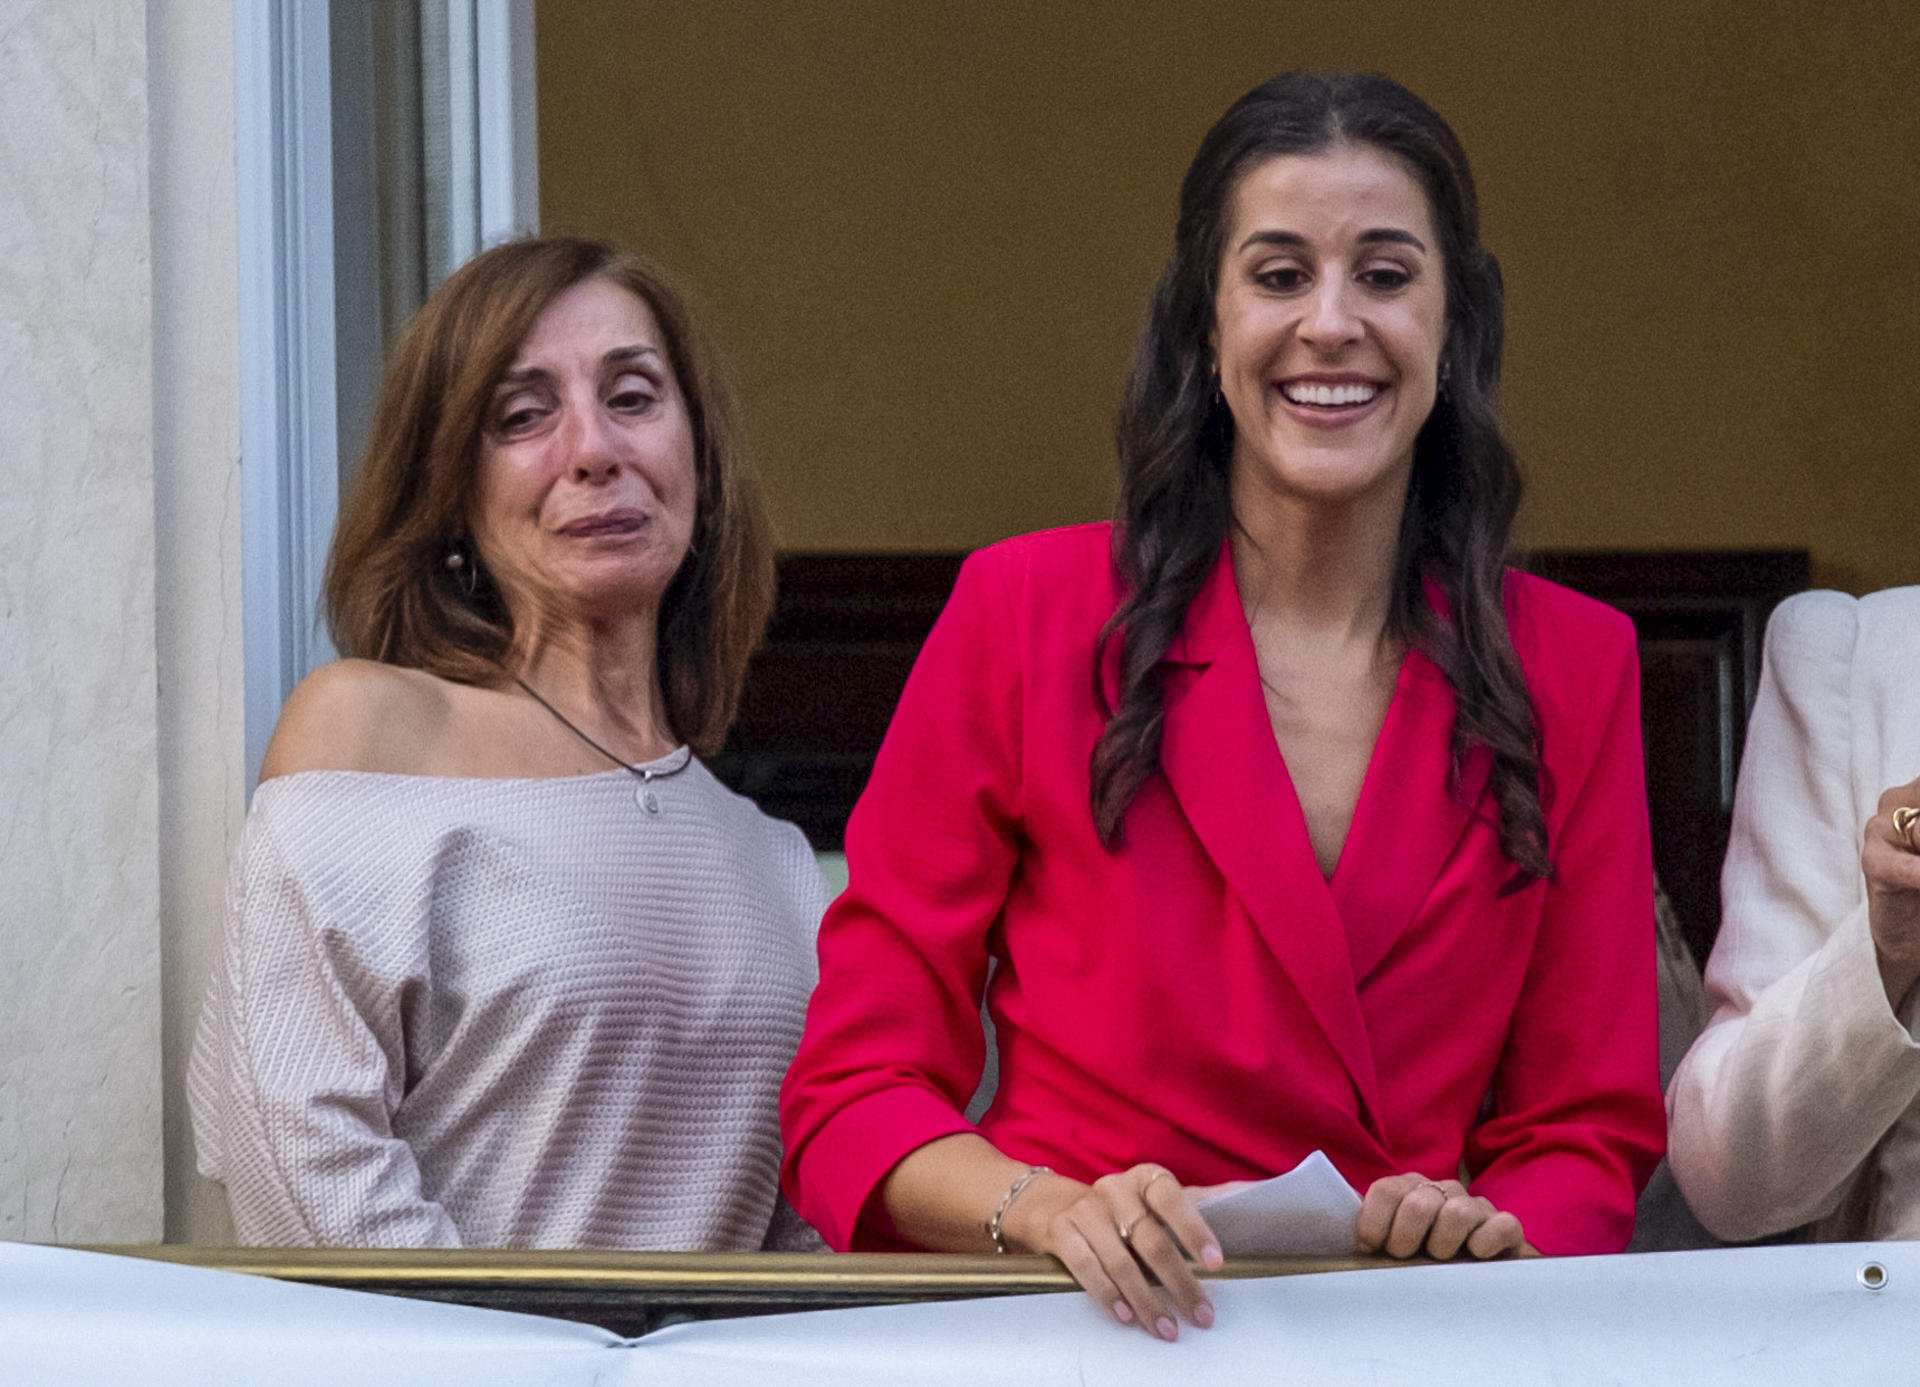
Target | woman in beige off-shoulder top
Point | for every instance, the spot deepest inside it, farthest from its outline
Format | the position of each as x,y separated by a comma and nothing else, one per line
503,963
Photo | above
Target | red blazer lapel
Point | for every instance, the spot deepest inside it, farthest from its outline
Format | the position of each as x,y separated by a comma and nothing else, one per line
1409,818
1219,756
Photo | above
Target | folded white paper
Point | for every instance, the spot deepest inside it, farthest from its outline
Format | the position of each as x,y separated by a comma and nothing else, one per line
1308,1211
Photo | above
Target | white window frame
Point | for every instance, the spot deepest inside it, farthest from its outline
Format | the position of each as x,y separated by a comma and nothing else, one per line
288,407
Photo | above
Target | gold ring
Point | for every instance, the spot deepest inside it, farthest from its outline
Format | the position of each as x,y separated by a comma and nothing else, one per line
1904,819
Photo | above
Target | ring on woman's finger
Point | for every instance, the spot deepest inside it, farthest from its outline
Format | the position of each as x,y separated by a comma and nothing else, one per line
1904,819
1157,1174
1125,1229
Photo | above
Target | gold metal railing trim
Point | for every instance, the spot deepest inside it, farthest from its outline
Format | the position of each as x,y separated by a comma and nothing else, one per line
763,1272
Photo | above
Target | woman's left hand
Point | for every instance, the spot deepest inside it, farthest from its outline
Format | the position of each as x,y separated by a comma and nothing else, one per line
1403,1215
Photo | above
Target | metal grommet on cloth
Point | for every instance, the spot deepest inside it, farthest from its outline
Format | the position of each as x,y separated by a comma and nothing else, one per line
1873,1276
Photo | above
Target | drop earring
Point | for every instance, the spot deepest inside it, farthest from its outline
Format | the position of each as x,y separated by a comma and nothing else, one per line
456,564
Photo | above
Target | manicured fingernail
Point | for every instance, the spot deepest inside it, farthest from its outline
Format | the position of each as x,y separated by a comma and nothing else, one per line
1203,1315
1121,1312
1168,1329
1210,1256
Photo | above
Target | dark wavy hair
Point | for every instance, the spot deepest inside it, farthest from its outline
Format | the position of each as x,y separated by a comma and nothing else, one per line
389,594
1175,438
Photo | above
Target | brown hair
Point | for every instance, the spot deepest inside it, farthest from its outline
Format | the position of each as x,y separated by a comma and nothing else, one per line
389,594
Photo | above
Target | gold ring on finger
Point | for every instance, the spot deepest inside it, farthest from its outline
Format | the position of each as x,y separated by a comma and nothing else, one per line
1904,819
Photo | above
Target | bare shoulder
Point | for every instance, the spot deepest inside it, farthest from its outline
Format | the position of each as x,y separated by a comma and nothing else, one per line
360,715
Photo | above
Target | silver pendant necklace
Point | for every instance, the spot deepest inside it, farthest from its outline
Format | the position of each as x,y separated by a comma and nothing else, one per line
644,794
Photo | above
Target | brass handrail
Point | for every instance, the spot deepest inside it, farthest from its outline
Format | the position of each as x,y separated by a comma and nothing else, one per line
633,1293
730,1275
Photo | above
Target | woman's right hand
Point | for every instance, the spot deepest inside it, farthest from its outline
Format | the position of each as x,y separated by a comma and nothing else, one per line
1111,1233
1892,868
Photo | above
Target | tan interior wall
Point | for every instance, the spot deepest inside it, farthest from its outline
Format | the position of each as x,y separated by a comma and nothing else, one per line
925,237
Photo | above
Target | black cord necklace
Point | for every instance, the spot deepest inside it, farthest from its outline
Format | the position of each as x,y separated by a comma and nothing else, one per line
643,793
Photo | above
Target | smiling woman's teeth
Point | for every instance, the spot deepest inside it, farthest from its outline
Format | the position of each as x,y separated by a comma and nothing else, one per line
1329,394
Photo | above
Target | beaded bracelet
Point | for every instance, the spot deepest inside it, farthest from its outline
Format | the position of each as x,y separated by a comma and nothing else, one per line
1026,1177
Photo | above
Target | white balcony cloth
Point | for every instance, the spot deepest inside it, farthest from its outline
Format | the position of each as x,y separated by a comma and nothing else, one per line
1738,1317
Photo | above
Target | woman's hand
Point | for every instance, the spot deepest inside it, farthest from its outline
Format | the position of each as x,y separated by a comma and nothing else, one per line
1407,1214
1112,1233
1892,869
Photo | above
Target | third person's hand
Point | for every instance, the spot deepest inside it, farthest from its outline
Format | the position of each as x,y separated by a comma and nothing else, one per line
1405,1215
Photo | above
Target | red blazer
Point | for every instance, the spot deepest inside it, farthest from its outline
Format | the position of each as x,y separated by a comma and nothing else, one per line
1203,997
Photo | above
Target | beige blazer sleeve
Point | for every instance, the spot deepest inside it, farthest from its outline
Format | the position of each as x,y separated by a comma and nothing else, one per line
1803,1066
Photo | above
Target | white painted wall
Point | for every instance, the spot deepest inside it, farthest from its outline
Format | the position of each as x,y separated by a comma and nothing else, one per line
196,442
122,758
79,798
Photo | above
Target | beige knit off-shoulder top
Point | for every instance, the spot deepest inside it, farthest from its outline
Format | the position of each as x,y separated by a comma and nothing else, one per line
506,1013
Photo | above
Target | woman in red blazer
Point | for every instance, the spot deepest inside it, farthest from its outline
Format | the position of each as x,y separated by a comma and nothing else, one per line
1286,816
